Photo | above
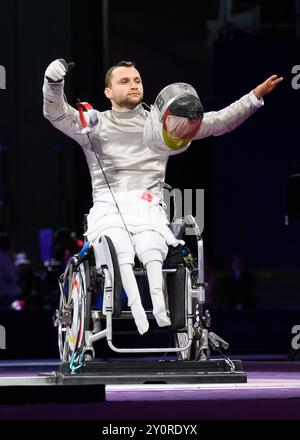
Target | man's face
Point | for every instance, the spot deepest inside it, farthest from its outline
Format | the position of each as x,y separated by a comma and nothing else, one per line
126,88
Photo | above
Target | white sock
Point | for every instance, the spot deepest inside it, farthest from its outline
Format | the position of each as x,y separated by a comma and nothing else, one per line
134,299
154,272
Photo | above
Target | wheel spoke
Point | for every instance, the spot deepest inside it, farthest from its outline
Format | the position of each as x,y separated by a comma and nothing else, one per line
72,312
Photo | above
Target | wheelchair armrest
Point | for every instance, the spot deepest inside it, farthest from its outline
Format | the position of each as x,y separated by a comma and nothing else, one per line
174,257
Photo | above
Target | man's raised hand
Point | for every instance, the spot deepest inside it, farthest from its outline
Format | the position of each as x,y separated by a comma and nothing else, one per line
57,70
267,86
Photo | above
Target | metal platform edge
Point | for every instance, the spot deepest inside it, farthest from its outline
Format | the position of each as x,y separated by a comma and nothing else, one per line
153,372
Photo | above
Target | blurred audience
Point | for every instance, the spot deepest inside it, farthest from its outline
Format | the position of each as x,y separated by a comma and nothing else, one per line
30,284
65,245
9,288
20,286
240,287
235,291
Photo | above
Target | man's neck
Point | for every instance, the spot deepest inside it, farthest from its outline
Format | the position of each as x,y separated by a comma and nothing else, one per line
122,109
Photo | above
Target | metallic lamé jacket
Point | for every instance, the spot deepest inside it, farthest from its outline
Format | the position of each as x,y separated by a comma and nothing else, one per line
129,144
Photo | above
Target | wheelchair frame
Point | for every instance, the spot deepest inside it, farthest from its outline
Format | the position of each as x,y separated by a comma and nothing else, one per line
73,319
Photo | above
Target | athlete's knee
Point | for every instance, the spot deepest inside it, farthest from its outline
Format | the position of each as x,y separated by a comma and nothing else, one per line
151,255
150,246
125,258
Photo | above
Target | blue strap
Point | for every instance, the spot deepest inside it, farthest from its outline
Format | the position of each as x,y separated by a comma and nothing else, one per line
84,249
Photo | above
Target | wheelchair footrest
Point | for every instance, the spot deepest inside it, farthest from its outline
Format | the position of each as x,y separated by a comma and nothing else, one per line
154,372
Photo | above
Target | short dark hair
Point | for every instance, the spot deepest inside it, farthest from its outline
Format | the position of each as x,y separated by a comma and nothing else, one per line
110,71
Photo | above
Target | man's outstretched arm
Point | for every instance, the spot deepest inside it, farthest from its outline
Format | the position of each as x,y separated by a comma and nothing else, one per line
63,116
219,122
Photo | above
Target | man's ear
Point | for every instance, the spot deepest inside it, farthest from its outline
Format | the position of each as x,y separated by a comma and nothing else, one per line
107,92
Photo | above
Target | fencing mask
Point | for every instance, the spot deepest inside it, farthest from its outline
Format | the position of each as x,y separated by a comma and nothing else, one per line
180,112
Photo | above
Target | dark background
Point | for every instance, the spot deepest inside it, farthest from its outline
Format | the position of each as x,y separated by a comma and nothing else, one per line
224,49
44,178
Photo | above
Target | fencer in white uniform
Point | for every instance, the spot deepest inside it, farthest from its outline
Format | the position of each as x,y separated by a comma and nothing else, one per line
133,146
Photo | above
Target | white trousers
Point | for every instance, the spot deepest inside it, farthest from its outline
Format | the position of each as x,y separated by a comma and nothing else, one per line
151,249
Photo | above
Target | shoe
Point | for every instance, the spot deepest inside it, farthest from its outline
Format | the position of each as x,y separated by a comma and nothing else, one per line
140,318
162,318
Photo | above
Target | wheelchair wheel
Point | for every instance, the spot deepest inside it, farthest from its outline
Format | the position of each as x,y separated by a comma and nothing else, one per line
74,311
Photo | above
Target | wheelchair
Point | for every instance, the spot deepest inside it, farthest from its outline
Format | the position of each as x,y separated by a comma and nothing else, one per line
79,321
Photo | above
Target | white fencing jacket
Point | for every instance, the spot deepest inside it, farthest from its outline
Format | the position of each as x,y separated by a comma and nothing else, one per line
133,156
